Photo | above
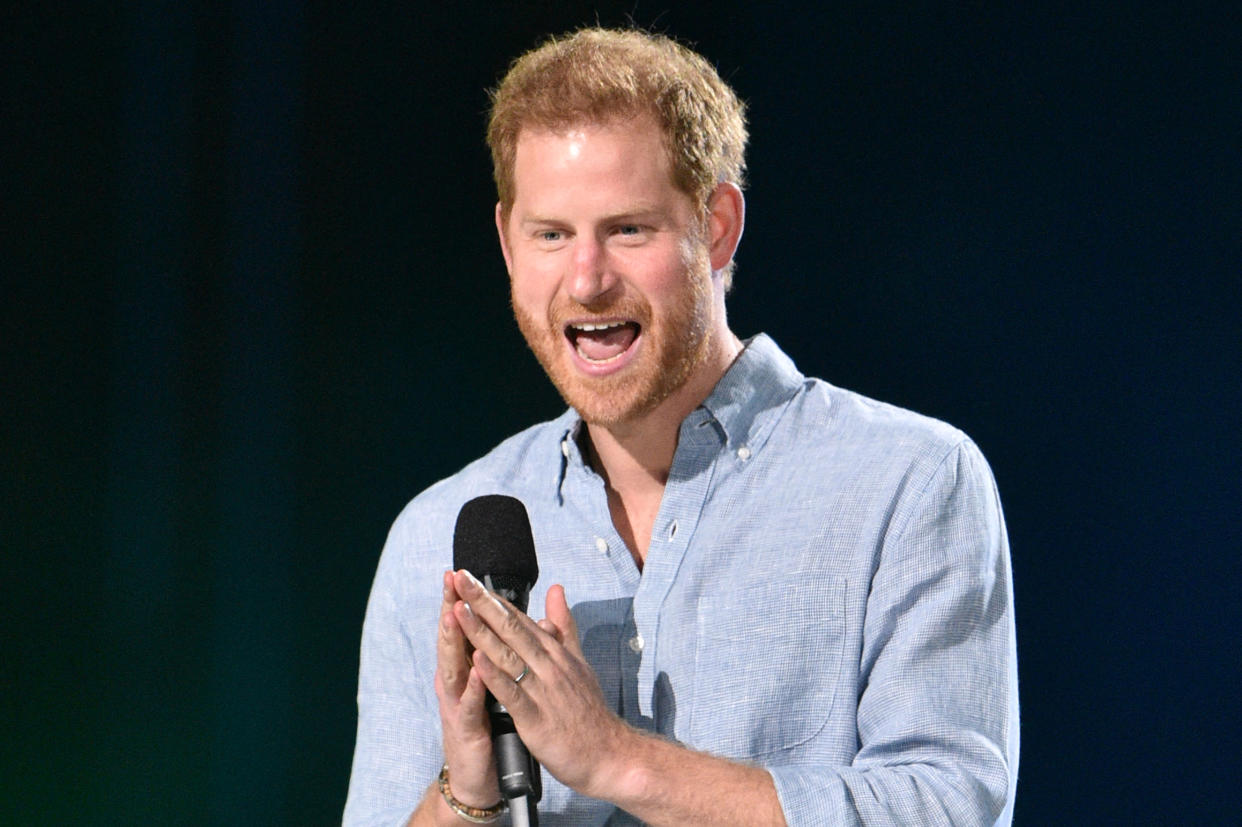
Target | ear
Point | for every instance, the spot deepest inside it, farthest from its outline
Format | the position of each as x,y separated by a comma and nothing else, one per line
504,238
726,215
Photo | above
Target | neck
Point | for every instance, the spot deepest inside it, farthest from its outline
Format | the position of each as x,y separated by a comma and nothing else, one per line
641,449
634,456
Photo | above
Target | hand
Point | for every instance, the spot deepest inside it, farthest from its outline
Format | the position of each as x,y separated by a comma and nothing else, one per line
463,718
557,707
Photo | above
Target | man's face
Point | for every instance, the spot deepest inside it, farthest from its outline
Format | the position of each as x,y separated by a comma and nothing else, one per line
609,269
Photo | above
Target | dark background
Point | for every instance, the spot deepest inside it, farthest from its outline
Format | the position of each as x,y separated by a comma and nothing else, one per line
254,304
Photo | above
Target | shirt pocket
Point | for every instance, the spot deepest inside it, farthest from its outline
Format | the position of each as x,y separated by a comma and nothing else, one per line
767,666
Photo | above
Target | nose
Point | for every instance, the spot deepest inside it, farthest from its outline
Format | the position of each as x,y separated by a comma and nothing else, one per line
591,278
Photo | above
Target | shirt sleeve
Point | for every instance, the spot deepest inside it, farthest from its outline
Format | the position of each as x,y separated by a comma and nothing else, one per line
397,752
938,701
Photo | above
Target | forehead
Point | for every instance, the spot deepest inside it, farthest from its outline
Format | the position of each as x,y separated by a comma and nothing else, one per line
633,145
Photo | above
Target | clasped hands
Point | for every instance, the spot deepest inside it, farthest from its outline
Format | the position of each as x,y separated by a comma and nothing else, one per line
537,670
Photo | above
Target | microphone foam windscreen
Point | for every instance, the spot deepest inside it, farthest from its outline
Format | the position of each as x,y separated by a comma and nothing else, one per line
492,537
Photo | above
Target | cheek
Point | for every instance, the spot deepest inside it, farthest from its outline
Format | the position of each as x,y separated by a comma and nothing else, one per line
530,287
673,277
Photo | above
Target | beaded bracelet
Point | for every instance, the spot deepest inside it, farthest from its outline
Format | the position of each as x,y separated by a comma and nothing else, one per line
475,815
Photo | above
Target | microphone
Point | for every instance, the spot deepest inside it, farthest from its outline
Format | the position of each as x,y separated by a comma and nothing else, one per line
492,541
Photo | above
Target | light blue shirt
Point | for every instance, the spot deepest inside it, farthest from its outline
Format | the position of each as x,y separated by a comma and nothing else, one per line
827,594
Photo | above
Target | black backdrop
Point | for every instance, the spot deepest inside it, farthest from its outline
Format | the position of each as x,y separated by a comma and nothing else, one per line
254,304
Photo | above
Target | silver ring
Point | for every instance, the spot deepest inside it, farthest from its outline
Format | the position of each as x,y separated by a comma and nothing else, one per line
525,672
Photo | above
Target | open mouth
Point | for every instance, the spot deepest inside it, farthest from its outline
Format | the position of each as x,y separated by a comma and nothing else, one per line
602,342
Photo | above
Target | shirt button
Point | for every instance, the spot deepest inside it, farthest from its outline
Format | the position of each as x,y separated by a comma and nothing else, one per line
602,545
743,453
564,447
636,644
672,529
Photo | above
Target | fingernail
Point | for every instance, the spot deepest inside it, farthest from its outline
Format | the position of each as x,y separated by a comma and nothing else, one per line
472,578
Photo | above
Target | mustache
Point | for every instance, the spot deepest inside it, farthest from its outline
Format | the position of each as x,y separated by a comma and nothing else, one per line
629,308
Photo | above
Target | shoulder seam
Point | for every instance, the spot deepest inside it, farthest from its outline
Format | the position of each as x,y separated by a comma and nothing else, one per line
953,449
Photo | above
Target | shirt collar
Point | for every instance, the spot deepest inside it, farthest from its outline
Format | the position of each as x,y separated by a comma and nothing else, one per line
745,404
748,399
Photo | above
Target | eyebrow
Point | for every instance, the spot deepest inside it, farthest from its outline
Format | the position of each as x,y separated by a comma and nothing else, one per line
637,211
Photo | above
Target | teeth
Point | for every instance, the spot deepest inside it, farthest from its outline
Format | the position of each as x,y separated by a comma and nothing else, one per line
590,327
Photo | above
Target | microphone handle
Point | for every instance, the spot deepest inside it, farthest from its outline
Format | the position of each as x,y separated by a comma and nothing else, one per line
522,812
516,769
521,782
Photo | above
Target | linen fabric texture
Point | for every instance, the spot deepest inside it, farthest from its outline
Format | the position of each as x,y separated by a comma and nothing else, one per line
827,594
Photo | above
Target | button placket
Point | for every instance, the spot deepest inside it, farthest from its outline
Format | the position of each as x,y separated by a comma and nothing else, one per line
682,504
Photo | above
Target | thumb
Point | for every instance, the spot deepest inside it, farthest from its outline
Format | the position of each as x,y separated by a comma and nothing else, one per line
556,610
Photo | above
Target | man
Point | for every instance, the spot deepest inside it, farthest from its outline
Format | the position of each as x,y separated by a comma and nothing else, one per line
766,600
